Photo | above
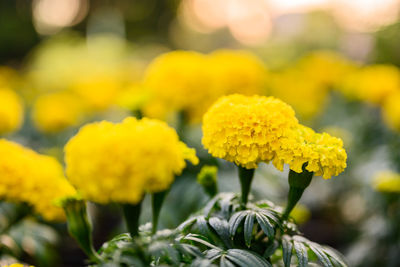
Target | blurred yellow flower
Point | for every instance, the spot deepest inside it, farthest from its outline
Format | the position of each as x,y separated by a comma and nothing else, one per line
119,162
301,214
11,111
237,71
52,113
306,96
324,154
325,67
372,83
17,265
32,178
179,81
247,130
387,181
391,111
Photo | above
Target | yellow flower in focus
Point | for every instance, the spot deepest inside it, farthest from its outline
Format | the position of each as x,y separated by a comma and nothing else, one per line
247,130
387,181
179,81
306,96
32,178
324,154
391,111
372,83
119,162
236,71
11,111
55,112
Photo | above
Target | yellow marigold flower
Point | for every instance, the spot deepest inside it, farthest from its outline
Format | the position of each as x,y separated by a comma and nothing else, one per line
31,178
98,92
373,83
179,81
306,96
11,111
247,130
325,67
236,71
119,162
324,154
387,181
391,111
55,112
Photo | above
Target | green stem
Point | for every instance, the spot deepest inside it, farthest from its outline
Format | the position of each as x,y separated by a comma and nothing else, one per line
298,182
131,214
80,227
245,178
157,200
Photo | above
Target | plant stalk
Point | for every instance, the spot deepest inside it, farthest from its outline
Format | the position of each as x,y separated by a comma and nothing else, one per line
298,182
131,214
157,200
245,178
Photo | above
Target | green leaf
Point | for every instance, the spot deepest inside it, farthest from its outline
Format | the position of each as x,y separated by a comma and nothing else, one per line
265,225
186,224
213,254
248,228
226,203
210,205
225,262
203,226
222,229
235,221
187,249
336,257
287,248
322,257
301,253
201,262
271,249
245,258
200,239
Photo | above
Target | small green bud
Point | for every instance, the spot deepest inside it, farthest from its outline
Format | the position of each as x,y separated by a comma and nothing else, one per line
207,177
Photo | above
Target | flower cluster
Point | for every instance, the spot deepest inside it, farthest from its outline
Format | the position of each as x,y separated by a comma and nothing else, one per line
87,76
34,179
119,162
249,130
11,111
387,181
189,82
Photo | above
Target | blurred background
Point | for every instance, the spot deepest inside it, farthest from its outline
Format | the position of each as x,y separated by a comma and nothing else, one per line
68,62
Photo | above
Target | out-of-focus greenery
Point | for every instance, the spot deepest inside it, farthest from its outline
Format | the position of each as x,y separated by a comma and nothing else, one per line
88,74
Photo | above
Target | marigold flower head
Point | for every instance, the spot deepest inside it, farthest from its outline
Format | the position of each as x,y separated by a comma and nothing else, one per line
306,96
323,154
179,81
55,112
325,67
247,130
236,71
391,111
11,111
372,83
387,181
32,178
119,162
